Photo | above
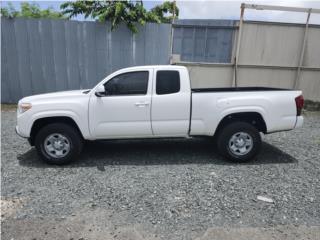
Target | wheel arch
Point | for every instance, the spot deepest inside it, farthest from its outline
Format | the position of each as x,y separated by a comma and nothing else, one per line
41,122
254,118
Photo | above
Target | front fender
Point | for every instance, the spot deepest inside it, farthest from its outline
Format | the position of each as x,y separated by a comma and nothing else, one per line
26,121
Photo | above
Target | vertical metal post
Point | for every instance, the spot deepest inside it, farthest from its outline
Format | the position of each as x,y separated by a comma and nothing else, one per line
171,36
297,80
205,43
194,43
134,43
236,59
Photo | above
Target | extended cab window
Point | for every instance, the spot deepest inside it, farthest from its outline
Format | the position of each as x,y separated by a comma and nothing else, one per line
131,83
167,82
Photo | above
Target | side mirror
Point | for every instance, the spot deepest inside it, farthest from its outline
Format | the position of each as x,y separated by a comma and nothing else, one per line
100,91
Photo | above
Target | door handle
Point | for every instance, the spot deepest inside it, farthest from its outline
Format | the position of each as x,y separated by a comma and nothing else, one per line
141,104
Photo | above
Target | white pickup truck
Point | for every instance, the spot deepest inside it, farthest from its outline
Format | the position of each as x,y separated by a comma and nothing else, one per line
156,102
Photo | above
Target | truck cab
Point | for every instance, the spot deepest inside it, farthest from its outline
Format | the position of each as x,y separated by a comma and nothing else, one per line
141,102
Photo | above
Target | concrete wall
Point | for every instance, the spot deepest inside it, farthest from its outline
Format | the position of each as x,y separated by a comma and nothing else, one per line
39,56
269,56
210,75
271,44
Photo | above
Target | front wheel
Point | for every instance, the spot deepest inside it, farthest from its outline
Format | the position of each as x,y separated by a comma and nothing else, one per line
239,141
58,143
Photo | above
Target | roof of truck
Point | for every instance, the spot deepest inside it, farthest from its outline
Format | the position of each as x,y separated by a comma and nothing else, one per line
154,66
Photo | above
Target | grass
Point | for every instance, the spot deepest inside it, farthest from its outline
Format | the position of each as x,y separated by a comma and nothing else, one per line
8,107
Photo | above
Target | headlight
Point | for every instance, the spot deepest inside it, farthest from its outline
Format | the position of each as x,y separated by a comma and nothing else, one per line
24,107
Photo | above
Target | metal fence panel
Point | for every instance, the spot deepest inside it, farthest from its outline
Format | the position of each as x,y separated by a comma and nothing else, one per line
5,94
42,55
204,40
157,47
46,39
59,55
24,71
10,61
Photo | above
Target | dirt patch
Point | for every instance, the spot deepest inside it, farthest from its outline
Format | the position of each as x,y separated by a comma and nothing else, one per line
9,207
84,224
274,233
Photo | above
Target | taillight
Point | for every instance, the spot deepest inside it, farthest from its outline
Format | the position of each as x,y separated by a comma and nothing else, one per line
299,104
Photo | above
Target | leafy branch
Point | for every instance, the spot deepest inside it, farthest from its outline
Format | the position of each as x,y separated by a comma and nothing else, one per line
129,12
30,11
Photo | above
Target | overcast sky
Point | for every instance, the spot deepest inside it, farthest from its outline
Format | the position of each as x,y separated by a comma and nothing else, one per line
231,10
210,9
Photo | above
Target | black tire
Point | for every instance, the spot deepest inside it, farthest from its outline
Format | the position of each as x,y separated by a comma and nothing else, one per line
225,140
72,137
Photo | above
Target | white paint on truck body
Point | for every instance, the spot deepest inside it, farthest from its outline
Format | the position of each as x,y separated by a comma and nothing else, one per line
151,115
277,108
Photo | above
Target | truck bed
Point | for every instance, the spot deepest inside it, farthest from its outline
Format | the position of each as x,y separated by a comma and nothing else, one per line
275,105
239,89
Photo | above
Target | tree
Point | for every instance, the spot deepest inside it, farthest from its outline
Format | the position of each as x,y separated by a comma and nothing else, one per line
166,8
30,11
129,12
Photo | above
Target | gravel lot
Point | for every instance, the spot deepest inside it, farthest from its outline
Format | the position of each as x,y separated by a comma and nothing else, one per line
163,189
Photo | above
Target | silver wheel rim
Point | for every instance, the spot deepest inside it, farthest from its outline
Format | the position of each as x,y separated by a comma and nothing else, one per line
57,145
240,143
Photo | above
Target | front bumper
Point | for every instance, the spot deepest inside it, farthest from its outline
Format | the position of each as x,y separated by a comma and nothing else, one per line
18,133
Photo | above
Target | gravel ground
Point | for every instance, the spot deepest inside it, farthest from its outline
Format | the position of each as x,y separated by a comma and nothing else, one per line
163,189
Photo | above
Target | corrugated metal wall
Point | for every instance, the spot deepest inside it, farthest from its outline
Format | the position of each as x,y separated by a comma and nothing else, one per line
39,56
203,40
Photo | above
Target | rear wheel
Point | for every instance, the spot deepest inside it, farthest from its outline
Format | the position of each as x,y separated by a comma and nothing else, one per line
58,143
239,141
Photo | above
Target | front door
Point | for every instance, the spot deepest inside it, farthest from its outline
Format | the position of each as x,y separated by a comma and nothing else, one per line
124,111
